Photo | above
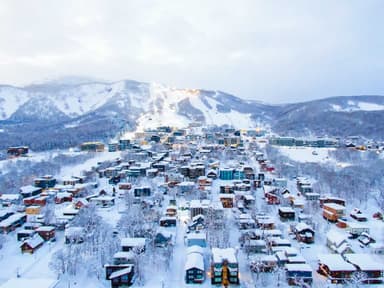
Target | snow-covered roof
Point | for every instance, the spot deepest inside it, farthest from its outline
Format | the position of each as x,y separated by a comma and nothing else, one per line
123,254
34,242
11,219
228,254
335,262
298,267
364,261
194,260
121,272
303,226
195,204
335,236
133,242
30,282
286,209
45,228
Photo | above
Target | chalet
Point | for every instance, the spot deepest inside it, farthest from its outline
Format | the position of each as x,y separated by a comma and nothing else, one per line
80,203
63,197
32,244
304,233
335,268
12,222
120,275
194,266
366,264
331,199
224,267
337,242
168,221
286,213
332,211
134,244
298,273
29,191
46,232
197,239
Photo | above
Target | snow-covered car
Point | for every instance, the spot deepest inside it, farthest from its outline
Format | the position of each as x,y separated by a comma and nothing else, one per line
358,215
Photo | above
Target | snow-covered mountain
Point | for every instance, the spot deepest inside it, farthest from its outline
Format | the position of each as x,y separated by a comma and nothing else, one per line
65,112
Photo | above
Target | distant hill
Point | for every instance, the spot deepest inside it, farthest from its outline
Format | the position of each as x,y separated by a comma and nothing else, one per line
63,113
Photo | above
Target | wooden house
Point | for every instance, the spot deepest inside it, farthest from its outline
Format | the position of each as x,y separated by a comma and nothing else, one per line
194,265
80,203
330,199
12,222
171,210
366,264
32,244
120,275
304,233
44,182
63,197
332,211
286,213
335,268
46,232
29,190
32,210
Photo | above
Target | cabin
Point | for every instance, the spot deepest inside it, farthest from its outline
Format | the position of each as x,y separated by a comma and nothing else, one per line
12,222
46,232
331,199
224,267
120,275
168,221
197,239
286,213
62,197
332,211
136,244
194,265
29,191
32,244
304,233
366,264
296,274
80,203
335,268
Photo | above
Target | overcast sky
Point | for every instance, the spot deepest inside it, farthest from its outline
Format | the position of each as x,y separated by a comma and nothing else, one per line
273,51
